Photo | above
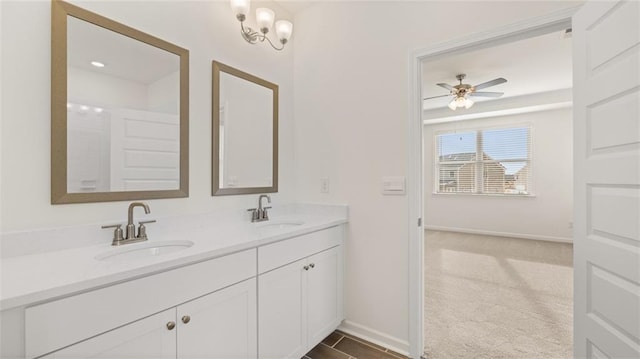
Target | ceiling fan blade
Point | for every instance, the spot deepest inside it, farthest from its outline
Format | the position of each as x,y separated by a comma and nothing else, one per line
486,94
447,86
429,98
494,82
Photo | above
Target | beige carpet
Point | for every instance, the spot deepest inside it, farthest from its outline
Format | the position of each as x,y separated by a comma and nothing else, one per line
495,297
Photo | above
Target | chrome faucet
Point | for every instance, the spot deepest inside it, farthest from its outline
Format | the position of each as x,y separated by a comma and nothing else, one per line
131,228
260,214
131,237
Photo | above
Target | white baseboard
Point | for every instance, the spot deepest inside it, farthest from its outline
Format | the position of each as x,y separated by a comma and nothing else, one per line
500,234
371,335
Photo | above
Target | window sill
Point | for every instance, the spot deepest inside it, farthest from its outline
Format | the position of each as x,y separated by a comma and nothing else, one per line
484,194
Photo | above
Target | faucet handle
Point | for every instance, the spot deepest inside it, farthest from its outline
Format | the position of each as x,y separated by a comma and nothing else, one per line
142,230
117,233
255,214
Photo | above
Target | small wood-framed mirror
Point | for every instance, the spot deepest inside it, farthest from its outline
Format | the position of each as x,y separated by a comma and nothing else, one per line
119,111
245,133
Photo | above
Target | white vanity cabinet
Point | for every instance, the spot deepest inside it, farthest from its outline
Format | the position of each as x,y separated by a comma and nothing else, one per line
274,300
203,310
147,338
219,325
299,293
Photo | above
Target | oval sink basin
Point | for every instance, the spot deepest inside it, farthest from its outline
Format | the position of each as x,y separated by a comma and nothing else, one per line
143,250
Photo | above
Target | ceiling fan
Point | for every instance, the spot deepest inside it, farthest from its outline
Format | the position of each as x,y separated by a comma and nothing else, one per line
462,92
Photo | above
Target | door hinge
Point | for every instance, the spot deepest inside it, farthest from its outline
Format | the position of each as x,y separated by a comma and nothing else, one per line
420,222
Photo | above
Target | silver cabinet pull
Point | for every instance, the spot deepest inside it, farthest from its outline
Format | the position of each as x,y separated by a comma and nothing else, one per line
186,319
312,265
306,267
171,325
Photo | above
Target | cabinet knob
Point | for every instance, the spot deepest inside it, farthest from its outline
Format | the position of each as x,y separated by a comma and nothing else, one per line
306,267
312,265
186,319
171,325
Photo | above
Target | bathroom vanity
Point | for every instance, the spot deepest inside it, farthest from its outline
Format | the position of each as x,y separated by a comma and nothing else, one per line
240,290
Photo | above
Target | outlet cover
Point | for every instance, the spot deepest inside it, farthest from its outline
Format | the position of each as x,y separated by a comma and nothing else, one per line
324,185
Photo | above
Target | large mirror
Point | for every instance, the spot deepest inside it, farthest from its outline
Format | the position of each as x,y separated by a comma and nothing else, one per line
245,133
119,111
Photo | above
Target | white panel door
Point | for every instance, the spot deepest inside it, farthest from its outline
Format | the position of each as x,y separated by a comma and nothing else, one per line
145,151
323,309
607,180
281,312
220,325
148,338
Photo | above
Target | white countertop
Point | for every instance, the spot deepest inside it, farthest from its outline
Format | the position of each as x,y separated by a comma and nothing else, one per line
32,278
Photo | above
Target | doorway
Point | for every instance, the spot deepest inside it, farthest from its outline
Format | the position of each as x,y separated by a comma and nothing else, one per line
554,23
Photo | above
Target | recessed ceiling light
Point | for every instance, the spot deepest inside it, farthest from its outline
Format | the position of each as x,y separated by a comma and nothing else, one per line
97,64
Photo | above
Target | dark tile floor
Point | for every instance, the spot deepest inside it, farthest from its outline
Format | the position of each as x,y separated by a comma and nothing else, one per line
339,345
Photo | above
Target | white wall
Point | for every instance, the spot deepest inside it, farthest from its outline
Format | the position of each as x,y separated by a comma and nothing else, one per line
351,109
207,29
546,215
164,94
112,91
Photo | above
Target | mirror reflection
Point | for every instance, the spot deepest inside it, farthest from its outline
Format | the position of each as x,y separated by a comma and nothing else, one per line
123,112
125,118
245,132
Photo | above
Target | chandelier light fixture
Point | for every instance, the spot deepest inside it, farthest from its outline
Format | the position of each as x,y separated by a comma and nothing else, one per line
264,19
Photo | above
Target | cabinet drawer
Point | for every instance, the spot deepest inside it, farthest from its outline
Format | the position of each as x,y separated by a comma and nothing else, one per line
290,250
59,323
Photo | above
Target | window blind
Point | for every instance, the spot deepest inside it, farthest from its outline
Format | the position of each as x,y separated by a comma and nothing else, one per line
492,161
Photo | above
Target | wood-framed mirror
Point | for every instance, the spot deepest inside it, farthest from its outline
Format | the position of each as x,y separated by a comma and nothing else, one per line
244,133
119,111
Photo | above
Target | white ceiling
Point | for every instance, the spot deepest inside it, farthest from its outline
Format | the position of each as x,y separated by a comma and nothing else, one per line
534,65
123,56
295,6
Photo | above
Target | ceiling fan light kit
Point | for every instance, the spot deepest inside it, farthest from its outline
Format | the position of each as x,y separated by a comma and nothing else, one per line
462,92
460,101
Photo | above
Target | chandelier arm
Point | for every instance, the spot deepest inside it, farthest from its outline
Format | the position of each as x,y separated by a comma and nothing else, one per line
252,36
249,34
272,45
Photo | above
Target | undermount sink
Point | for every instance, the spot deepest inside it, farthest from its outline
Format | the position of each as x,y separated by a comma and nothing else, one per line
278,224
143,250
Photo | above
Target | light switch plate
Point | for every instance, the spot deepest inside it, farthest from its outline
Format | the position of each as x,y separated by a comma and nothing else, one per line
393,186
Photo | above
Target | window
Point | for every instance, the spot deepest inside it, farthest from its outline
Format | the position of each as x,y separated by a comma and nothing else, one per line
490,161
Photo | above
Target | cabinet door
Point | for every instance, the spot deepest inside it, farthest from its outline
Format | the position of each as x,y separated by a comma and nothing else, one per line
281,308
146,338
324,294
220,325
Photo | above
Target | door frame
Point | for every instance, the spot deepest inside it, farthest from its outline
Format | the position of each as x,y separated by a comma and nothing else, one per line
555,21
